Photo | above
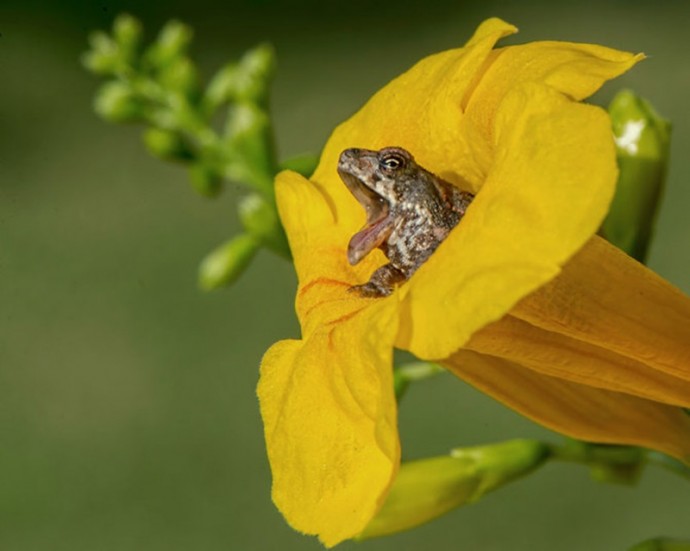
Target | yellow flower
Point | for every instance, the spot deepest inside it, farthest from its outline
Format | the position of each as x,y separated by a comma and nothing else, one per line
520,300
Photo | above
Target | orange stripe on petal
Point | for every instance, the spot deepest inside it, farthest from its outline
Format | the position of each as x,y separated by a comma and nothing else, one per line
576,410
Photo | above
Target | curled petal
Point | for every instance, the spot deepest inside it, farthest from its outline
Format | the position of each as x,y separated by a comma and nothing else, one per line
575,70
536,209
420,111
580,411
605,298
329,417
557,355
318,245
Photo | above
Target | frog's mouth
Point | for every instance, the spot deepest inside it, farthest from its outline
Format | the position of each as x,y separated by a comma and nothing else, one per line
378,225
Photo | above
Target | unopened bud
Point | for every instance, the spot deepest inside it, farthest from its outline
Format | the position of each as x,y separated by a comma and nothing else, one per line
167,145
172,42
226,263
127,32
249,138
99,63
260,218
642,143
116,102
254,74
429,488
103,58
181,76
205,179
221,89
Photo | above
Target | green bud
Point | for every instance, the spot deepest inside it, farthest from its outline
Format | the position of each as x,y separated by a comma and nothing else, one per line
128,32
205,179
102,43
260,218
250,142
254,74
429,488
405,374
181,76
662,544
99,63
221,88
173,41
116,102
642,143
104,57
613,464
226,263
167,145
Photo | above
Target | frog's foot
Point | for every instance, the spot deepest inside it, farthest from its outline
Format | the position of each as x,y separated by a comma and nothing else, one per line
381,283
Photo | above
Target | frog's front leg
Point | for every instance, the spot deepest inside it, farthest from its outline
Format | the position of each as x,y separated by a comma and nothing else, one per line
381,283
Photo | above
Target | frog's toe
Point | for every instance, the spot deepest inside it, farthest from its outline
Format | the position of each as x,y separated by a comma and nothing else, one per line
370,290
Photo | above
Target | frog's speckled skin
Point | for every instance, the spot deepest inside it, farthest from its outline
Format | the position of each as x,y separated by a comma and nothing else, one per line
409,212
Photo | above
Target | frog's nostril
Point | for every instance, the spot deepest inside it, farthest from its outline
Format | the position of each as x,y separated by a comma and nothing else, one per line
349,155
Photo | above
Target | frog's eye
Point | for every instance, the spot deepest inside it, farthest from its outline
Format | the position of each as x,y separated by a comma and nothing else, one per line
392,162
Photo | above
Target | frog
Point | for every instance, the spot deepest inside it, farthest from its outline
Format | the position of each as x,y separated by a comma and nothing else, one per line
409,212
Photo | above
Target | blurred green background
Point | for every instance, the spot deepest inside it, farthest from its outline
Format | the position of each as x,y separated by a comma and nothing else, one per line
128,417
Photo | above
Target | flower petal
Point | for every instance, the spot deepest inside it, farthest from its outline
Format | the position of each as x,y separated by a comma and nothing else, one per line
420,111
605,298
558,355
576,70
305,213
319,248
330,423
549,188
579,411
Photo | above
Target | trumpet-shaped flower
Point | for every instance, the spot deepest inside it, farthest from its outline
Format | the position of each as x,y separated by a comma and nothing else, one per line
521,300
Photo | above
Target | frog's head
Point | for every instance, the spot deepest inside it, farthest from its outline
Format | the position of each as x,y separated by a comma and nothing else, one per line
378,180
373,176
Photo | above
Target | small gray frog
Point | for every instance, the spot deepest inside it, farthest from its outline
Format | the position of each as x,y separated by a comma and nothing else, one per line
409,210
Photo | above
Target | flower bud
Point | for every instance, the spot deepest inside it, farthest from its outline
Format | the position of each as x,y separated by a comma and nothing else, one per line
167,145
102,43
127,32
254,74
117,102
99,63
260,219
404,374
221,88
249,138
226,263
205,179
180,75
642,142
429,488
103,58
172,42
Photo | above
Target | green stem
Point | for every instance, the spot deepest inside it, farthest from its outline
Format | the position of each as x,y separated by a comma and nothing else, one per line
405,374
669,463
